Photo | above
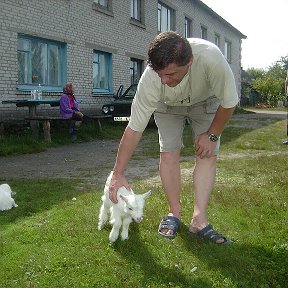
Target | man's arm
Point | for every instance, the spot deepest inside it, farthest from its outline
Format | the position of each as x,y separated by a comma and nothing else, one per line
220,120
203,145
127,146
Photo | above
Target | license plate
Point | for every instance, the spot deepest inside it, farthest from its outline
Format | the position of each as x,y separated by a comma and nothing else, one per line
121,118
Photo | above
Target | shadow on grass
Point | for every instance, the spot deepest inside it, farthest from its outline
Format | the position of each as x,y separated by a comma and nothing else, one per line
246,265
34,196
136,252
241,265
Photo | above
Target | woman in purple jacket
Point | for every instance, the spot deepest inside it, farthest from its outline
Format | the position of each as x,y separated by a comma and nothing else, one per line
69,109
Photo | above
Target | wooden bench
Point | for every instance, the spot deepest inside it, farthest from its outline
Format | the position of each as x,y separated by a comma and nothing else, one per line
34,123
98,119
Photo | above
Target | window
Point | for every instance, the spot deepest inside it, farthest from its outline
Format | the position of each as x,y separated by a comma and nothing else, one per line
203,32
165,18
103,6
135,70
42,62
217,40
103,3
102,72
136,9
188,28
227,51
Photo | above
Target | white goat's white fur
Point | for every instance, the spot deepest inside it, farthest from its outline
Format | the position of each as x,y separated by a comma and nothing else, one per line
6,200
129,207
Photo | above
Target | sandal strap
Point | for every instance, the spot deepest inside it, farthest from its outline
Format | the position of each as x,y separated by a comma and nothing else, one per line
209,233
204,231
167,225
213,235
170,223
171,219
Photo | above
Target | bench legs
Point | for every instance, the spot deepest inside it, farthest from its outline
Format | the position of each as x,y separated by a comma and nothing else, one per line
1,129
34,124
99,125
46,130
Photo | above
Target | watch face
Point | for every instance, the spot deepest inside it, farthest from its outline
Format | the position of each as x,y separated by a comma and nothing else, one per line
213,137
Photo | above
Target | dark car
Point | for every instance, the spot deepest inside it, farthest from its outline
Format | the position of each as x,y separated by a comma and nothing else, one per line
120,108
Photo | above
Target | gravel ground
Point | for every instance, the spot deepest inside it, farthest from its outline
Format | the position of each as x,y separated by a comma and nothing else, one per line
94,160
91,161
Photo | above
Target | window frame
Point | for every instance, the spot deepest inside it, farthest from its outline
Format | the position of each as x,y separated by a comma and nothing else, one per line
104,6
106,9
228,50
139,63
135,8
188,27
62,64
204,32
140,19
217,40
109,57
171,17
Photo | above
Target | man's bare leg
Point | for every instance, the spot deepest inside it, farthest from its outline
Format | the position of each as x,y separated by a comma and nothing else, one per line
203,181
170,176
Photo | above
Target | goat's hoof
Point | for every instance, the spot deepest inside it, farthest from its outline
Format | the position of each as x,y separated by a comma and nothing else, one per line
113,238
124,237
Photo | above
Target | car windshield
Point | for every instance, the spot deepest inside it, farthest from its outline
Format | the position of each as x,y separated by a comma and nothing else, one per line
130,92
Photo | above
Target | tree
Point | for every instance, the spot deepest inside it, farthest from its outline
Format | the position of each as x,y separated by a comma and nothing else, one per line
269,84
271,90
256,73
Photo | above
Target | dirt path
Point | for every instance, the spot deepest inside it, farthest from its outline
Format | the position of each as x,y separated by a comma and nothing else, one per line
91,161
94,160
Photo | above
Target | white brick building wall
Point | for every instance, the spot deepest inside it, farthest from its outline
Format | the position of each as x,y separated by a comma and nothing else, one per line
85,29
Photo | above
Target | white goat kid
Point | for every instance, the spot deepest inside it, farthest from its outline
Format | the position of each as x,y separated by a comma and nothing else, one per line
6,200
129,207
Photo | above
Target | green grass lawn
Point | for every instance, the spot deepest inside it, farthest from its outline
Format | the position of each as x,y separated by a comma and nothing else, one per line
51,239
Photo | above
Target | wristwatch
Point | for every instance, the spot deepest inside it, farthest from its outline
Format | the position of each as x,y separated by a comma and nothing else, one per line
213,137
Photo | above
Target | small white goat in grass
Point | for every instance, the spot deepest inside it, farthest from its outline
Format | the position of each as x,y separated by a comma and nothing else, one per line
129,207
6,200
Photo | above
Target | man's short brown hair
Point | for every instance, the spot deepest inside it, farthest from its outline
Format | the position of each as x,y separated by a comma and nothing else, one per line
167,48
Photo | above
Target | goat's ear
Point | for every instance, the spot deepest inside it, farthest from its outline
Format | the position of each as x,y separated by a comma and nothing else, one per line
147,194
123,198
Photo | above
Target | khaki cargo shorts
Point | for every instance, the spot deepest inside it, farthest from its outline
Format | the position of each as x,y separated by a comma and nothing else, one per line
171,121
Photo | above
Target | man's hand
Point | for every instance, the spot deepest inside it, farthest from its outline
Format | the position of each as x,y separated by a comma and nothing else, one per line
204,147
117,181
